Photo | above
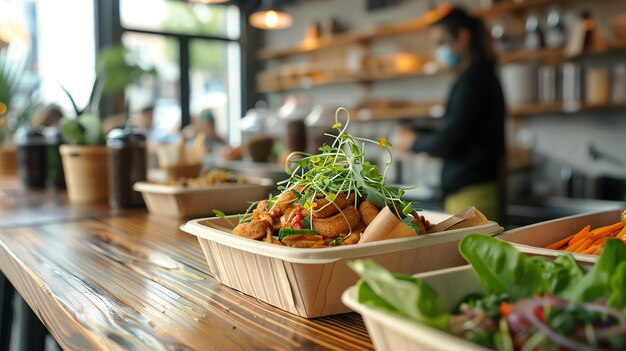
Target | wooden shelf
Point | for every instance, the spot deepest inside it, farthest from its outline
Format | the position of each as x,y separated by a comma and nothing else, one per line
307,83
432,110
554,56
419,24
435,110
526,55
542,108
512,6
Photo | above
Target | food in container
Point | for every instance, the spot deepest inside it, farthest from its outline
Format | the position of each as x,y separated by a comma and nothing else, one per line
336,198
591,241
181,160
537,238
504,300
291,250
309,281
195,197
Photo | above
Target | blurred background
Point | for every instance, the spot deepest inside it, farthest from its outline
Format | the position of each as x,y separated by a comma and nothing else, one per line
269,75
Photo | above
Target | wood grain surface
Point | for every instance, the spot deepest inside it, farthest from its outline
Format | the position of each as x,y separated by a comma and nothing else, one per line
23,207
136,282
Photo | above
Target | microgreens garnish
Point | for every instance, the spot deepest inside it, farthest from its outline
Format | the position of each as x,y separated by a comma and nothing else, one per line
222,215
342,168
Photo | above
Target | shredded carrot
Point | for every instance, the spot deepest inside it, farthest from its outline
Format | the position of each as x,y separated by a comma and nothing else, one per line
582,233
559,244
506,309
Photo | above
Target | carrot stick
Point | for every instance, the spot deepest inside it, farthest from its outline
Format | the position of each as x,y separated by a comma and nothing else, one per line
582,233
598,244
574,248
585,245
604,231
621,234
559,244
601,241
591,249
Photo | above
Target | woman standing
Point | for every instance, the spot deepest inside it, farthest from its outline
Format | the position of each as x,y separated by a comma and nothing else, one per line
471,142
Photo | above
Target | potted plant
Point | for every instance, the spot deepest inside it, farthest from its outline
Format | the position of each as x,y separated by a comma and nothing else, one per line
21,148
9,75
84,154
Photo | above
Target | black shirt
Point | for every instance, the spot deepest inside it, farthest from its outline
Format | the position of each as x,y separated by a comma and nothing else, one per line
471,142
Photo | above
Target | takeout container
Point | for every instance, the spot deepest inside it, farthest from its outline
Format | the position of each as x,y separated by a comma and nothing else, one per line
309,282
391,332
534,238
175,172
177,201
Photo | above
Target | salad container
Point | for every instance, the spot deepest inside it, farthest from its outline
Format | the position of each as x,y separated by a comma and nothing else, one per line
177,201
534,238
391,332
309,282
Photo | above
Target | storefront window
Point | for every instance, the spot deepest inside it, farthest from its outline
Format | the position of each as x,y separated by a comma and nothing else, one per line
160,92
181,40
180,17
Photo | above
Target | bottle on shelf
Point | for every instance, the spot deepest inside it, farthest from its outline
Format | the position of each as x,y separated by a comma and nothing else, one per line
555,32
585,36
533,39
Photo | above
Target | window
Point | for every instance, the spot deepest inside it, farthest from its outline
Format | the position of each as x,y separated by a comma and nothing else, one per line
195,50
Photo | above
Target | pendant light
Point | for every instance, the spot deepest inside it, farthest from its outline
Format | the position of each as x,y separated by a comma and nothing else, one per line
269,16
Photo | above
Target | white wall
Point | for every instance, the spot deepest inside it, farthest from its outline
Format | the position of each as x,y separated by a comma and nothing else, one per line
66,45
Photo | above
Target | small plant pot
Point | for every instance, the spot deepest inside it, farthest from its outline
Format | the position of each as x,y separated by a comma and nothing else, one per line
86,173
8,161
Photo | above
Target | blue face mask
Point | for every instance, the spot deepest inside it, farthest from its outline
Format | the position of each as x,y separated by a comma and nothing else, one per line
446,56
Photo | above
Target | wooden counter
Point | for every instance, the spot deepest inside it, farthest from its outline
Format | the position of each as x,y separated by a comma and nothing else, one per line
132,281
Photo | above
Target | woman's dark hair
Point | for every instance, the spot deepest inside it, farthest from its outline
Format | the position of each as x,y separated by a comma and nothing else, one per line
480,43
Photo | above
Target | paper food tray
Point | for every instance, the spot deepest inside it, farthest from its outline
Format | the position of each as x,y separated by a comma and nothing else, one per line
534,238
309,282
390,332
176,201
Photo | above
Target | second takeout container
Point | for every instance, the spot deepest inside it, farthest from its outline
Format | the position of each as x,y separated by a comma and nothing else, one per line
177,201
309,282
391,332
534,238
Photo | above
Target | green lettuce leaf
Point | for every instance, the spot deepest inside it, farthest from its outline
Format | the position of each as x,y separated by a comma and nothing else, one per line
617,298
399,293
596,284
560,274
501,268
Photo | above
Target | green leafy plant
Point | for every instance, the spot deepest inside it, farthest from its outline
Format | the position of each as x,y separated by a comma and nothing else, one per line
116,69
555,297
342,168
85,127
123,68
10,75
